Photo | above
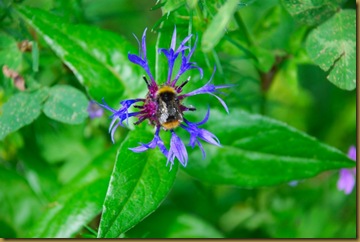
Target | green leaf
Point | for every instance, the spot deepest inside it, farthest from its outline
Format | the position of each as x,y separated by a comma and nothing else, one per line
172,223
274,30
66,104
259,151
78,202
20,110
264,58
19,204
172,5
192,3
332,46
139,183
215,31
10,54
77,149
40,176
312,12
286,99
98,58
67,215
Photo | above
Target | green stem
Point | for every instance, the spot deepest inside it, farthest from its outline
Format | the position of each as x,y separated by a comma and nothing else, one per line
90,230
217,61
243,28
190,24
199,12
267,80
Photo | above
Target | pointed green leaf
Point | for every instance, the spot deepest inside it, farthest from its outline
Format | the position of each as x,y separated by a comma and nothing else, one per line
216,29
98,58
332,46
20,110
66,104
312,12
259,151
139,183
78,202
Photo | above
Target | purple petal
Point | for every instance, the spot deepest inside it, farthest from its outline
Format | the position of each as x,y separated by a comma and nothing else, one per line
346,181
193,49
203,134
293,183
113,132
106,106
162,148
208,89
173,40
112,124
222,102
178,150
156,142
205,118
209,137
120,115
94,110
139,149
167,52
186,64
197,133
352,153
172,54
143,44
141,59
202,149
137,60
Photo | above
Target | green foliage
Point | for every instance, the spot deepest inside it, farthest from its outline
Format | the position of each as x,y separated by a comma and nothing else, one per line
249,157
216,28
172,223
144,181
9,52
62,177
99,63
78,202
172,5
332,47
19,207
66,104
312,12
20,110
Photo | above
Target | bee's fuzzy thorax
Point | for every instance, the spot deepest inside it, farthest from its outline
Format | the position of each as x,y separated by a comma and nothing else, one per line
165,89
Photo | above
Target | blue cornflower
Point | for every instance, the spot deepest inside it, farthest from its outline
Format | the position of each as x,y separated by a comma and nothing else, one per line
163,107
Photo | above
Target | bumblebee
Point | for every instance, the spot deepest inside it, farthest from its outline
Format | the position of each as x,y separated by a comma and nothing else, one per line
163,106
168,113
